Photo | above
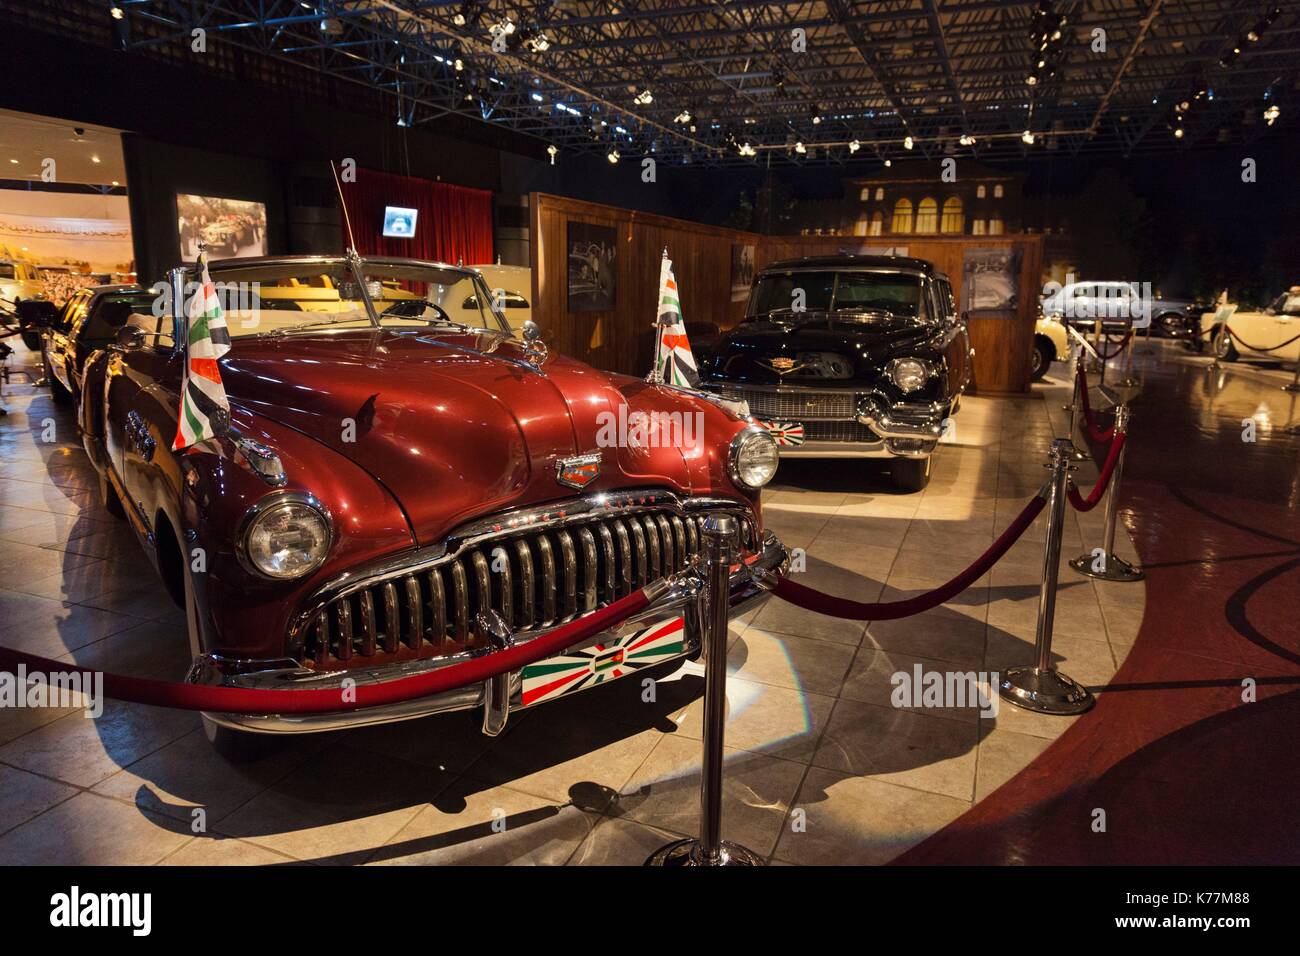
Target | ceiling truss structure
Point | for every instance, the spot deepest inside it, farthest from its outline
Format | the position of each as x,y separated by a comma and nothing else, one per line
808,82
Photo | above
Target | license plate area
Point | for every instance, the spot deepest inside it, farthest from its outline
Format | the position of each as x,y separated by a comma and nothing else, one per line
603,662
785,434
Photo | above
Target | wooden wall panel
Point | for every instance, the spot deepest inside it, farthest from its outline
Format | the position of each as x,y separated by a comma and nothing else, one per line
621,339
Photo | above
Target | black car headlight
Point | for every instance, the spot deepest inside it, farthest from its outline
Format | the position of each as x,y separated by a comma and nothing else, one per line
908,374
285,538
753,458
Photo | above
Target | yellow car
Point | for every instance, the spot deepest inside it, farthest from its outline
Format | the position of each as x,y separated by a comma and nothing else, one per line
1051,344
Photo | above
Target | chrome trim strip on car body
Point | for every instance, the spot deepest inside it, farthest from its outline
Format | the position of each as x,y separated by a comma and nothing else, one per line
675,596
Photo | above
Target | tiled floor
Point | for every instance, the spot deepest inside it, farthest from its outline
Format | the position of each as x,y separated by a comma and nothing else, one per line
821,767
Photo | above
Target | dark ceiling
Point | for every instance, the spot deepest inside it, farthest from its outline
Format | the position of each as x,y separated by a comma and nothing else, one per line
744,82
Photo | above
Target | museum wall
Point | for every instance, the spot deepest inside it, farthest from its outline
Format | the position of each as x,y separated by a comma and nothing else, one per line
158,172
619,338
1002,339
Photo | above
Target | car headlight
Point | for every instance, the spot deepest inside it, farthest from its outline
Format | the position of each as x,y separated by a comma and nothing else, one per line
753,458
286,538
908,374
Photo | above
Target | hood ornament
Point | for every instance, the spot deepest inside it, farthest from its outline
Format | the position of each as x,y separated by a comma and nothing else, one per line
782,364
535,350
579,471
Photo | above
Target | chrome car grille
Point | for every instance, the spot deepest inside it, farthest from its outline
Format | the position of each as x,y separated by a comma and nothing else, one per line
534,577
839,431
795,405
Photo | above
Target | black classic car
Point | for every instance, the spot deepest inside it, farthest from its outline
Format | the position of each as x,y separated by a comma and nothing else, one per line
849,357
88,321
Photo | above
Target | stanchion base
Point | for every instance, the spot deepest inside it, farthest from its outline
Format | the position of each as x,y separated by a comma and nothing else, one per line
688,853
1047,692
1293,387
1115,568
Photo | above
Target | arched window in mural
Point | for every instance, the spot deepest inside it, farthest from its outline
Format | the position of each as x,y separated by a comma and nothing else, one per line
952,215
877,223
927,215
995,227
902,216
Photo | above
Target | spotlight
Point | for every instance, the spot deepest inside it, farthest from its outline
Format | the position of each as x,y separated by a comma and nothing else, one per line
1271,114
816,119
907,142
683,117
538,43
1031,80
117,13
888,163
458,19
800,148
967,139
551,151
747,150
644,98
1178,133
460,65
1027,137
854,146
612,156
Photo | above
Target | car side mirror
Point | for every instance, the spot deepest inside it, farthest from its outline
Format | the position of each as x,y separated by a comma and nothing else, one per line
534,348
129,337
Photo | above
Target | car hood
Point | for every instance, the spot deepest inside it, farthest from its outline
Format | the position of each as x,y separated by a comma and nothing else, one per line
824,351
455,426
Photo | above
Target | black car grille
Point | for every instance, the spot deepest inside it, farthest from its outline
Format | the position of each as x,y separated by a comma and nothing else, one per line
534,578
796,405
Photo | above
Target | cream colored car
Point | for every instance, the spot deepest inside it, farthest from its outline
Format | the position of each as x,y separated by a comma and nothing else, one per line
1051,344
1270,333
512,292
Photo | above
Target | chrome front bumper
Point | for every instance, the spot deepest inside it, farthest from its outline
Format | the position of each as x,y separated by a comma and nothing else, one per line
676,597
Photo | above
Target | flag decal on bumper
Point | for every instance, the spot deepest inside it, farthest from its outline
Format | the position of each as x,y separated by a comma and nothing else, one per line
600,663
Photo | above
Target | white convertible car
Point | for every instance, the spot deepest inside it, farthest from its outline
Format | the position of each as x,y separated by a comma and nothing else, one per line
1257,334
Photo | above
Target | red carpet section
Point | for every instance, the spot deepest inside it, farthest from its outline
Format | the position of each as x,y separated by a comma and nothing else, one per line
1185,771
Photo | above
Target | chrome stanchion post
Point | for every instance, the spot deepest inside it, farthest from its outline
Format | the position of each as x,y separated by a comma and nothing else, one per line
1077,453
1042,687
1295,382
719,533
1108,566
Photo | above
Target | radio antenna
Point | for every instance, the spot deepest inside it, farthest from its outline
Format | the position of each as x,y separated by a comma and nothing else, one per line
343,203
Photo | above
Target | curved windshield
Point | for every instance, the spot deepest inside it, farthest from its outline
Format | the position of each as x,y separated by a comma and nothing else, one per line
280,298
843,293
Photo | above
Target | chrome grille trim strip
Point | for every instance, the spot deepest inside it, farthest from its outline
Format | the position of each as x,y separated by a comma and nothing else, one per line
607,546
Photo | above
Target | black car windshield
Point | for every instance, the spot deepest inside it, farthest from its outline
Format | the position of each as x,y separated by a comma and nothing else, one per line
898,294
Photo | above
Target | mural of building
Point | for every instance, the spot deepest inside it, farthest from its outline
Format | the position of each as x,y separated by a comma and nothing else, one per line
912,199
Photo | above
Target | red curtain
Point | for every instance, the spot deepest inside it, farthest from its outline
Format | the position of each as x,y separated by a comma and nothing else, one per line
454,222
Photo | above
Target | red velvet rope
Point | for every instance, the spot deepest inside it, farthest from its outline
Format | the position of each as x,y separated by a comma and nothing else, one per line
1097,434
811,599
1119,348
1087,504
242,700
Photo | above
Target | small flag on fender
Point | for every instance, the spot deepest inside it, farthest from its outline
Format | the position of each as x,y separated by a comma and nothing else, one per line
674,363
204,406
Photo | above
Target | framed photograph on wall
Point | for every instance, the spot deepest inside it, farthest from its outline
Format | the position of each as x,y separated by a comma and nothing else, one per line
593,266
229,228
742,270
991,280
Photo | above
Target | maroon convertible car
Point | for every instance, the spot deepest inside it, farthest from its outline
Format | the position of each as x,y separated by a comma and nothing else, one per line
392,483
